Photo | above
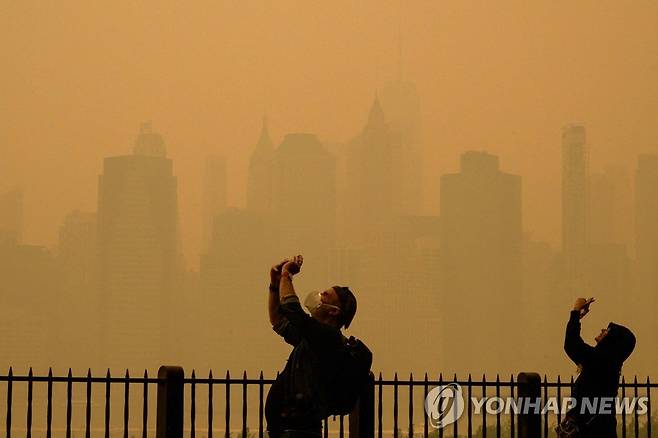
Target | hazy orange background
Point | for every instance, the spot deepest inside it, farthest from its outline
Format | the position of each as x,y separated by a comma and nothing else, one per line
78,78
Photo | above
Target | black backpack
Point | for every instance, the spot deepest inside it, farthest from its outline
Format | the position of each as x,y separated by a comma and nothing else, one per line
351,377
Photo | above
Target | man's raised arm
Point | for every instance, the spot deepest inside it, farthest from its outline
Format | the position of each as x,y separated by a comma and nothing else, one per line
274,300
290,268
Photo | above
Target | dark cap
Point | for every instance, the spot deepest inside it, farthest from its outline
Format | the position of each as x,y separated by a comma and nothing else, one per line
347,304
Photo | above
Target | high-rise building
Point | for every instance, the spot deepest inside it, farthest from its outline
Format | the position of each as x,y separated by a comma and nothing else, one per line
401,105
76,259
214,194
575,157
11,216
481,247
607,263
30,300
234,285
646,229
368,195
139,256
304,201
610,207
259,183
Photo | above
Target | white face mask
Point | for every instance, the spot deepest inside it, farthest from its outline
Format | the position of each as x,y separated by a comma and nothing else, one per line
313,302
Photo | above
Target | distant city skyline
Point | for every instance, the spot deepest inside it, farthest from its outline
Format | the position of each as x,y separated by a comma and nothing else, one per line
467,170
496,78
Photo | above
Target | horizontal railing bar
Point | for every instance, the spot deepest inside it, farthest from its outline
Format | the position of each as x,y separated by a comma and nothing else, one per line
465,383
239,381
229,381
80,379
502,384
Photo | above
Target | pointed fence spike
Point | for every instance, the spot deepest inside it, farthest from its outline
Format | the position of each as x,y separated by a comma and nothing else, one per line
228,375
426,376
210,374
260,376
244,375
411,377
89,373
497,378
193,373
50,372
69,374
127,374
145,374
108,373
484,378
30,373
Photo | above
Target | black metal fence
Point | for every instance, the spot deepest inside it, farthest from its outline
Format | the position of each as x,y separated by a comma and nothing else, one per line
189,406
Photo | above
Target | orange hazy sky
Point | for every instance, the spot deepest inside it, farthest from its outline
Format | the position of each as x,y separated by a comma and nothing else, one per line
79,77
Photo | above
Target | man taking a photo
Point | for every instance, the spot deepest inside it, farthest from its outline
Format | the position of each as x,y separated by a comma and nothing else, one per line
300,398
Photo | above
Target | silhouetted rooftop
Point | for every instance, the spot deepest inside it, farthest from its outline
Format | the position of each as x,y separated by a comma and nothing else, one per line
301,143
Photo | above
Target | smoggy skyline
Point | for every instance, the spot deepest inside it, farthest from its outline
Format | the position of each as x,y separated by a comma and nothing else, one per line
503,77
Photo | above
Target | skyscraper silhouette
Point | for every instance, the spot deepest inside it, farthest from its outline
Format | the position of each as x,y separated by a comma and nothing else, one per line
76,259
138,252
304,201
370,178
646,239
575,158
401,105
11,216
481,237
259,183
214,194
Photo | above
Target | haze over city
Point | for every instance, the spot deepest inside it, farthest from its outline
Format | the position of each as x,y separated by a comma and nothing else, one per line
403,108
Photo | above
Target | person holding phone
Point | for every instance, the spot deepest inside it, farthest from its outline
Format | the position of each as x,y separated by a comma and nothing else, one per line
600,370
300,397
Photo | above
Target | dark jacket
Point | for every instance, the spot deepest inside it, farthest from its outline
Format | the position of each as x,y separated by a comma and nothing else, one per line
600,371
298,398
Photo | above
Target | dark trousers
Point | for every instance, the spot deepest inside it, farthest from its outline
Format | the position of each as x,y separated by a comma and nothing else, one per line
295,433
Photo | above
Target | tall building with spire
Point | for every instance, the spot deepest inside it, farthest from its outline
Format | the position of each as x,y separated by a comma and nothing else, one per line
575,158
139,257
401,105
259,183
370,177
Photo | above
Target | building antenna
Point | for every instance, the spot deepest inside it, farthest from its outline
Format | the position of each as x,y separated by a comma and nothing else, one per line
400,46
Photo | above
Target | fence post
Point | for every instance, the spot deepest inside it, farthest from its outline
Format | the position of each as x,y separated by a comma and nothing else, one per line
362,418
169,423
529,390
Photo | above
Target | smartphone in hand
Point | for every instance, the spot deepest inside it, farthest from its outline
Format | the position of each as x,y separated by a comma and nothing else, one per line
585,308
